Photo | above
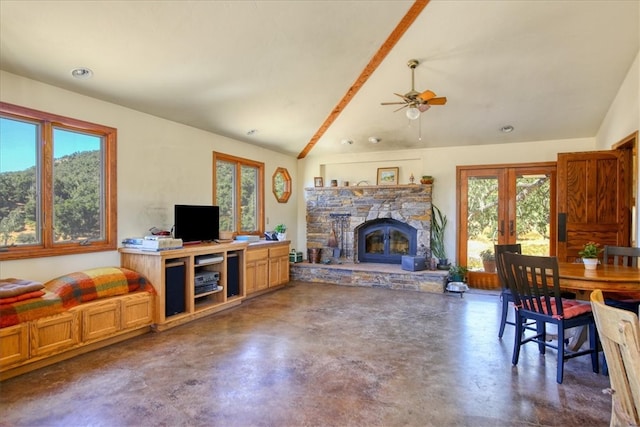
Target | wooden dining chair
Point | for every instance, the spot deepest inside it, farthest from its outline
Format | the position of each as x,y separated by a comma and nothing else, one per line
535,286
627,256
505,293
621,255
619,332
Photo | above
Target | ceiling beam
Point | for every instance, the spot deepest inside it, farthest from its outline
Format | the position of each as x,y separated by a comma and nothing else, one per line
386,47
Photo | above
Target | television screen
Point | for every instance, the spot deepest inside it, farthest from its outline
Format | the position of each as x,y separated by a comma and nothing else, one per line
194,223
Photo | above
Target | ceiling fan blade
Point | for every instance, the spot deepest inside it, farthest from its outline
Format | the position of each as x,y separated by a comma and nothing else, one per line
404,106
403,97
437,101
427,95
392,103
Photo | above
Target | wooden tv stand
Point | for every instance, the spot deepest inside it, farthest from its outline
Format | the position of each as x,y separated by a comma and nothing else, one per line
173,274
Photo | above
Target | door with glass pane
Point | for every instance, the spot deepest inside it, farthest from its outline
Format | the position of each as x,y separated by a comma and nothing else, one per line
503,205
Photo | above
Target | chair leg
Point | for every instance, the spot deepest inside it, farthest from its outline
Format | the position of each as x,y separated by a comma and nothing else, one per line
593,345
503,320
517,341
541,330
561,354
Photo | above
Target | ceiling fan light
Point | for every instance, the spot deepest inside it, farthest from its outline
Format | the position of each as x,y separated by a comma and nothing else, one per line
413,113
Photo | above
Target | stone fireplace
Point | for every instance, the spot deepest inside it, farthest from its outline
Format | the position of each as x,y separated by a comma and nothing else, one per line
390,221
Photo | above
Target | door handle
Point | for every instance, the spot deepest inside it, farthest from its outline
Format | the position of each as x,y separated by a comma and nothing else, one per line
502,228
562,227
511,231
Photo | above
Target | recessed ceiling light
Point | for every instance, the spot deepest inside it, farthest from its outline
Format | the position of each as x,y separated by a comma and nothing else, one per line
374,139
346,141
506,129
82,73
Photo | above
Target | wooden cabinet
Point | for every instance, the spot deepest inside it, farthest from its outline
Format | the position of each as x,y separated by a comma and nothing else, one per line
267,266
177,275
257,270
278,265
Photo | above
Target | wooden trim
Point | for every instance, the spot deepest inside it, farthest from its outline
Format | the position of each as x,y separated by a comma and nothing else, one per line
239,161
47,122
373,64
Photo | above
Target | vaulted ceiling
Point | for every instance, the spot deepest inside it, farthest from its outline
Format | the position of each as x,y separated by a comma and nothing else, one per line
278,73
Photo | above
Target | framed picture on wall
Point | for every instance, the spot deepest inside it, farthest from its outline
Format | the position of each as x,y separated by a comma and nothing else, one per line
388,176
318,182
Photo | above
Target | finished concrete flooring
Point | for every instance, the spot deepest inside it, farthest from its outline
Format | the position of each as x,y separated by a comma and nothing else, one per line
317,355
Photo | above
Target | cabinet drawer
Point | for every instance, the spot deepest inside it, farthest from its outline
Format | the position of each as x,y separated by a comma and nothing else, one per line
279,251
101,320
137,310
14,344
257,254
54,334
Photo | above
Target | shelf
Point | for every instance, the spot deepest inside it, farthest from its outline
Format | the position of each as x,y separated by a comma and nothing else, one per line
204,294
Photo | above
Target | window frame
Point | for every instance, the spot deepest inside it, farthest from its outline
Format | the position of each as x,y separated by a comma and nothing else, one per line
239,162
44,166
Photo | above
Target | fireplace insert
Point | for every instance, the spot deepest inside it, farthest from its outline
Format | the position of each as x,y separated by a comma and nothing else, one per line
386,240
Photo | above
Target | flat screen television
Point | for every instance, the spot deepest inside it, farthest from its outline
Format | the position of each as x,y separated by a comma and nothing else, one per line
196,223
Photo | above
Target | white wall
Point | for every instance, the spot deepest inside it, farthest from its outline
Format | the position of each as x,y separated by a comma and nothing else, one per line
439,162
622,119
160,163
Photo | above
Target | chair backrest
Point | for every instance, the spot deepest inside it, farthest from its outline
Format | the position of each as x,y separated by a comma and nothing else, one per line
498,250
619,333
534,283
621,255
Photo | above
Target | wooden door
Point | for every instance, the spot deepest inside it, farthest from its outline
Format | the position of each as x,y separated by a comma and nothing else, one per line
593,200
505,204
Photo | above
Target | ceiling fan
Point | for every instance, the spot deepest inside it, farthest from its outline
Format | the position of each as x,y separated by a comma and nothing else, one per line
417,102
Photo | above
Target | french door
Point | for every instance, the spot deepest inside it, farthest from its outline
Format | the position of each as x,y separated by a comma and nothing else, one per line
504,204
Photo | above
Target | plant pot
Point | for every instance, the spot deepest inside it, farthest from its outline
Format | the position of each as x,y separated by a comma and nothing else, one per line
489,266
281,236
443,264
590,263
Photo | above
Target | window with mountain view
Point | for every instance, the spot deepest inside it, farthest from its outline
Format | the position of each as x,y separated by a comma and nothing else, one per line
57,184
239,193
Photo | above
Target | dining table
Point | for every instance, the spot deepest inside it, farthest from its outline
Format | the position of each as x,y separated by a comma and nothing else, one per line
607,277
574,277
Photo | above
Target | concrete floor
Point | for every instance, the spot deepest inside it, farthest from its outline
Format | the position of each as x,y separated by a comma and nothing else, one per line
317,355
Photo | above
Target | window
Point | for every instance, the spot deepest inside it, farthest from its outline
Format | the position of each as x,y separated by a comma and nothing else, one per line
57,185
238,190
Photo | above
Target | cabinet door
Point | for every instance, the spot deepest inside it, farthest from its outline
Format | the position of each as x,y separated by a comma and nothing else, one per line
262,268
250,280
284,270
274,272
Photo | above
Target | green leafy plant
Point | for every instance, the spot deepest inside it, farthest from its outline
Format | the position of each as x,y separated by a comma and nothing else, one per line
280,228
487,255
458,272
590,250
438,224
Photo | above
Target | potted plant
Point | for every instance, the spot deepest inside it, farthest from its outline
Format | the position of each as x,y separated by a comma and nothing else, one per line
488,260
458,273
426,179
438,224
280,230
589,254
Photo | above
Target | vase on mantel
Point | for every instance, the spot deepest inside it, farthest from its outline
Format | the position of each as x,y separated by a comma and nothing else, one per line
590,263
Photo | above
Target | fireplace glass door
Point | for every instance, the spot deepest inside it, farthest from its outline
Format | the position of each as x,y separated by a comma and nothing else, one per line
386,241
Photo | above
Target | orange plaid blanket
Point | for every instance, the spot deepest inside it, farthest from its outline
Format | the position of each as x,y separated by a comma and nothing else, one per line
74,289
